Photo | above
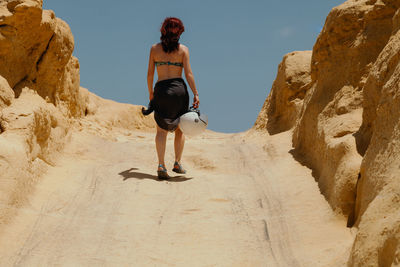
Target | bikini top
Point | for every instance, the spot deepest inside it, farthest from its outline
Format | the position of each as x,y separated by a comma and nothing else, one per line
159,63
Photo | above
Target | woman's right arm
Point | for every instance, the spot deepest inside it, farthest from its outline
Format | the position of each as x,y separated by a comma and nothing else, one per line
190,77
150,73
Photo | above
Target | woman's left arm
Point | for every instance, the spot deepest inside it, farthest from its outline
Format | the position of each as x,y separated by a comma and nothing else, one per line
190,77
150,73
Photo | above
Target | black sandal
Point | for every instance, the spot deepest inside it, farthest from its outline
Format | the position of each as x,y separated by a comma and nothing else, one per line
162,174
178,168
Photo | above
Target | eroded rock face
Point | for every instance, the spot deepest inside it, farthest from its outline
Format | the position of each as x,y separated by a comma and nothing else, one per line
35,52
282,107
349,128
109,116
6,93
37,67
350,42
34,131
378,191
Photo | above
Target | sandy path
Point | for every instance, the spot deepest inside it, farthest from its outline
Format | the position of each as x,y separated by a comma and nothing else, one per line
244,202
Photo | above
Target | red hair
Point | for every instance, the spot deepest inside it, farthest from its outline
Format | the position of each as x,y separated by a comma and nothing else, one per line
171,30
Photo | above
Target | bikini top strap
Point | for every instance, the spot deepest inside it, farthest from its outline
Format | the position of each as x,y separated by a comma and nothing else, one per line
159,63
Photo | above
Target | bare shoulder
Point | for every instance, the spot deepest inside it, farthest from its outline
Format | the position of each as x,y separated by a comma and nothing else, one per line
183,47
156,47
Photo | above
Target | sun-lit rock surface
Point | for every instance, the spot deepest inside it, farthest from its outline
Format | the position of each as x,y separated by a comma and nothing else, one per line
350,42
348,129
281,110
341,100
378,193
41,99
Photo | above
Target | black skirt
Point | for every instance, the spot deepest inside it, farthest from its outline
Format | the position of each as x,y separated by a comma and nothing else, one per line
171,100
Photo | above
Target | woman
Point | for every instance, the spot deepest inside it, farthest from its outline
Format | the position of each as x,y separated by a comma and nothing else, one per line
170,98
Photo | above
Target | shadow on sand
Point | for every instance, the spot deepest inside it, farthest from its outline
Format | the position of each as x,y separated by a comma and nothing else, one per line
303,161
131,173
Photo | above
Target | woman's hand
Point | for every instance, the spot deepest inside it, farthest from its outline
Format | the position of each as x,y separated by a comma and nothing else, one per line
151,96
196,101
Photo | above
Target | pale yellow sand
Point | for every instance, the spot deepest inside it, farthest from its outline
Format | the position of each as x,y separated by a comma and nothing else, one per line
244,202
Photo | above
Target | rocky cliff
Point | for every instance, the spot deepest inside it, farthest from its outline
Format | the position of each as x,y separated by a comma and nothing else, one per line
347,129
282,107
41,98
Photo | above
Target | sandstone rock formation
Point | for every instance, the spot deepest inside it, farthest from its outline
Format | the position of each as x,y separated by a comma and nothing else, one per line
6,93
33,131
378,191
341,100
342,58
104,116
280,111
41,98
348,127
35,51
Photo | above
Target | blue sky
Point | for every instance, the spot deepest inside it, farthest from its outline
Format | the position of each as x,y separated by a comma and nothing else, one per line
235,48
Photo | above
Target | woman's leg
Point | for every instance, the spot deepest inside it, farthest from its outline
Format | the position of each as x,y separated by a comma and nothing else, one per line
161,140
179,143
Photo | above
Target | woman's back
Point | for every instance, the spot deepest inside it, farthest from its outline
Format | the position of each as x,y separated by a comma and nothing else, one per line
170,98
169,65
